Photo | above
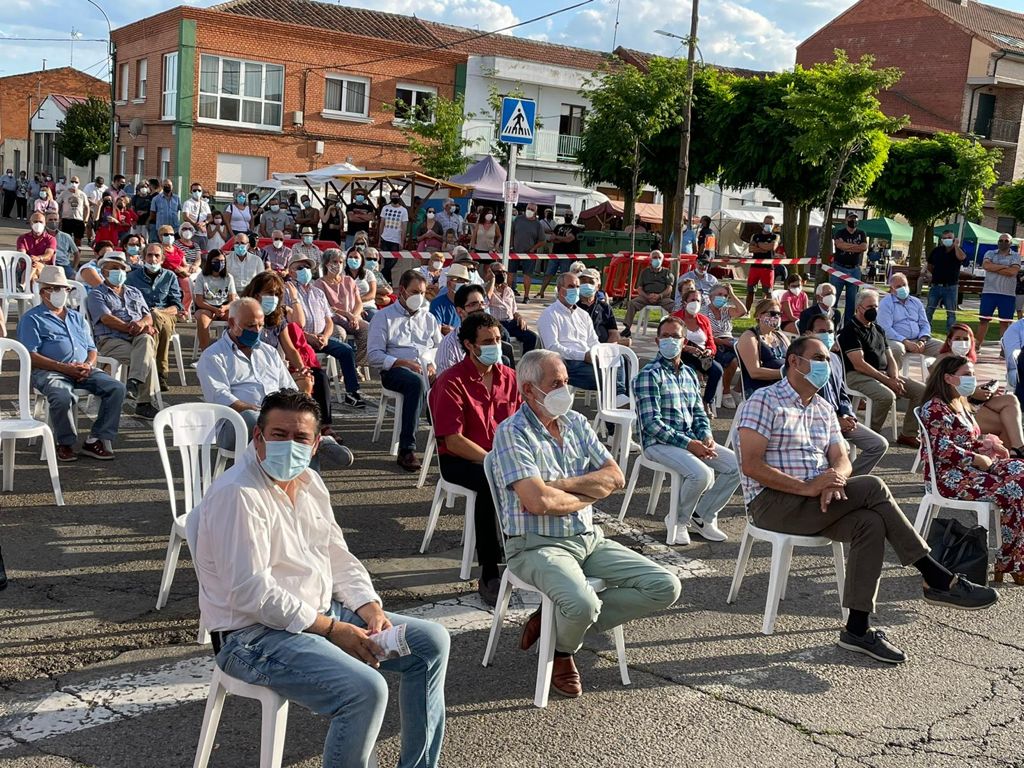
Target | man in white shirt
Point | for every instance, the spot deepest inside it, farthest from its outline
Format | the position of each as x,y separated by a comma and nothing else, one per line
243,264
196,211
392,225
399,335
905,322
567,329
289,606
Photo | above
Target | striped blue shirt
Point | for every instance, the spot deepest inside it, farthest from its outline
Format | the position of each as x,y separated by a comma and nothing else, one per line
524,448
669,405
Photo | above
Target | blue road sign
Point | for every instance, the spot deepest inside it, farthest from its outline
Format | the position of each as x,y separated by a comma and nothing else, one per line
517,120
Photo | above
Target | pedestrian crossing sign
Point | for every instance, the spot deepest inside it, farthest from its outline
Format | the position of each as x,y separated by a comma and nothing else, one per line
517,120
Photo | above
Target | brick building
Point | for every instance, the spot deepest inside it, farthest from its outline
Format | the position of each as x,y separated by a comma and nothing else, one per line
963,64
230,94
20,97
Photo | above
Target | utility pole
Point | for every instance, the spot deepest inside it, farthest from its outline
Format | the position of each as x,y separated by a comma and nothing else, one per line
684,139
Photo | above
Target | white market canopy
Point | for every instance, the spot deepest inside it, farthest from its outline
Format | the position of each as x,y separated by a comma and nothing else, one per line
755,215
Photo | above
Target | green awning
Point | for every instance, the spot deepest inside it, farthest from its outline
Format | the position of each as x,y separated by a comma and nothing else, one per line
887,228
972,231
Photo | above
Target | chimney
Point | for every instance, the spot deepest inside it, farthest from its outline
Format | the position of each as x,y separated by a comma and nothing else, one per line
959,2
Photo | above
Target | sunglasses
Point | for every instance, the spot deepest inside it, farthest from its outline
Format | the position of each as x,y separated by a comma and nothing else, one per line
773,313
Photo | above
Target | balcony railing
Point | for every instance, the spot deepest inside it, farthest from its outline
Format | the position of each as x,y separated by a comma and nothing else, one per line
1001,129
548,146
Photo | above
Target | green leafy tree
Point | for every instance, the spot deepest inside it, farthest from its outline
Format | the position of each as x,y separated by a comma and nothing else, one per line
438,144
836,114
1010,200
84,133
933,178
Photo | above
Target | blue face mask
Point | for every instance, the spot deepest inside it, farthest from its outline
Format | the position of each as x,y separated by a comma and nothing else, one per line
720,301
269,304
587,290
286,459
307,239
132,250
490,354
967,385
670,348
241,249
239,199
116,277
819,373
353,263
572,295
902,293
371,264
249,338
304,275
827,338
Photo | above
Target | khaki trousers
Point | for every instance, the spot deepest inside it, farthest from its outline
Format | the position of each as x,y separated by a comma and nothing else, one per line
164,325
931,349
865,520
883,400
139,354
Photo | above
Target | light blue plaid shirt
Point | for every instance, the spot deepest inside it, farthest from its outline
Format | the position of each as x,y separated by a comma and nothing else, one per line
524,448
669,405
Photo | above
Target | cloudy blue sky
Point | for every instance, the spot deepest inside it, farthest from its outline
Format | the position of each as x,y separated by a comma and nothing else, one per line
748,33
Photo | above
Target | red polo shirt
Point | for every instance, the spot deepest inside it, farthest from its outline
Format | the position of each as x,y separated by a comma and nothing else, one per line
37,246
460,404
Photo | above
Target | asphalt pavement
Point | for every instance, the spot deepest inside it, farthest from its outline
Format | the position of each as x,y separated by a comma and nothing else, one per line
92,675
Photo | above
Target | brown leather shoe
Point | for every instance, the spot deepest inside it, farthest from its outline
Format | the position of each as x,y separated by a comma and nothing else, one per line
565,679
408,461
910,442
531,631
66,453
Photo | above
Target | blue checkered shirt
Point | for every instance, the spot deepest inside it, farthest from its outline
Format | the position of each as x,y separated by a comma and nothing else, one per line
799,435
524,448
669,405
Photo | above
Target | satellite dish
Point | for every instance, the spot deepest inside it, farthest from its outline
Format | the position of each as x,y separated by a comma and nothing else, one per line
135,127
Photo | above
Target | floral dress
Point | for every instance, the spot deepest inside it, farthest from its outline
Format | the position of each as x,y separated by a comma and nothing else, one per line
954,438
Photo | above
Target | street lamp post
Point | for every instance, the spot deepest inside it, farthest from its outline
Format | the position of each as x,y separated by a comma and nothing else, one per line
111,54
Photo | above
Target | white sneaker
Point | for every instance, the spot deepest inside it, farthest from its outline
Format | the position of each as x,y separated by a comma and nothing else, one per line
728,402
707,531
682,536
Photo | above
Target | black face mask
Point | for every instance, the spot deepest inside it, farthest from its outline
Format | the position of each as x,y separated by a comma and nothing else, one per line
871,315
499,278
851,223
167,190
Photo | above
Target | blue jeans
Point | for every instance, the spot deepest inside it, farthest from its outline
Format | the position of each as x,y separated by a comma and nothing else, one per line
410,386
581,376
58,391
712,375
707,484
315,673
346,358
527,337
945,295
851,290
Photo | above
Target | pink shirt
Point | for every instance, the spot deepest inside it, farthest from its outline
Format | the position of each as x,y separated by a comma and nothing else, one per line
344,296
503,303
37,246
792,306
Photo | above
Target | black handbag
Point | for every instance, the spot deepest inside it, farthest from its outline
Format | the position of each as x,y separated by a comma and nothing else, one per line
960,549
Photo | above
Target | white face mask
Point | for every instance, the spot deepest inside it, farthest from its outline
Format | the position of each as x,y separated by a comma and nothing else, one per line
58,299
960,347
279,244
693,307
530,214
38,227
557,402
828,300
795,290
767,228
489,217
436,265
414,301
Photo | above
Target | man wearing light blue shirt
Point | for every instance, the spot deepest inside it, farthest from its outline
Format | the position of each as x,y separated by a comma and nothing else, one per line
905,322
167,207
67,252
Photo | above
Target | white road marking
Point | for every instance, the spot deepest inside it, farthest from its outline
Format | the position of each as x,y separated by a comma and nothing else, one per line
119,697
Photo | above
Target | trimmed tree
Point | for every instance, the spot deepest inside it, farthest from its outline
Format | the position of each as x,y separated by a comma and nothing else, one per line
437,144
1010,200
84,133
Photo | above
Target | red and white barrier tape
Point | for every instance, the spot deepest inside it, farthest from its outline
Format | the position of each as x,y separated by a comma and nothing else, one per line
493,256
761,262
845,277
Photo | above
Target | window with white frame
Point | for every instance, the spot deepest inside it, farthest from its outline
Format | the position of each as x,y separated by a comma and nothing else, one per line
414,102
169,110
141,75
245,93
165,163
122,160
140,163
347,96
122,82
245,171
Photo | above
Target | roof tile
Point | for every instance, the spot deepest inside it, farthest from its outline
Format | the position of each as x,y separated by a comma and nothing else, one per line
1001,28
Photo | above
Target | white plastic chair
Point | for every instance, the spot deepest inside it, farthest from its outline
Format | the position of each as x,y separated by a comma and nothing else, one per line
922,362
933,501
11,288
330,366
24,426
644,316
546,642
216,326
782,558
447,491
194,429
398,400
178,357
606,360
856,396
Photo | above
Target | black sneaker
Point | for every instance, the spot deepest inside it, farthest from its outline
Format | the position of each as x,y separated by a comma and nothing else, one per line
164,386
964,594
132,388
146,411
3,573
354,400
488,590
874,644
625,333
